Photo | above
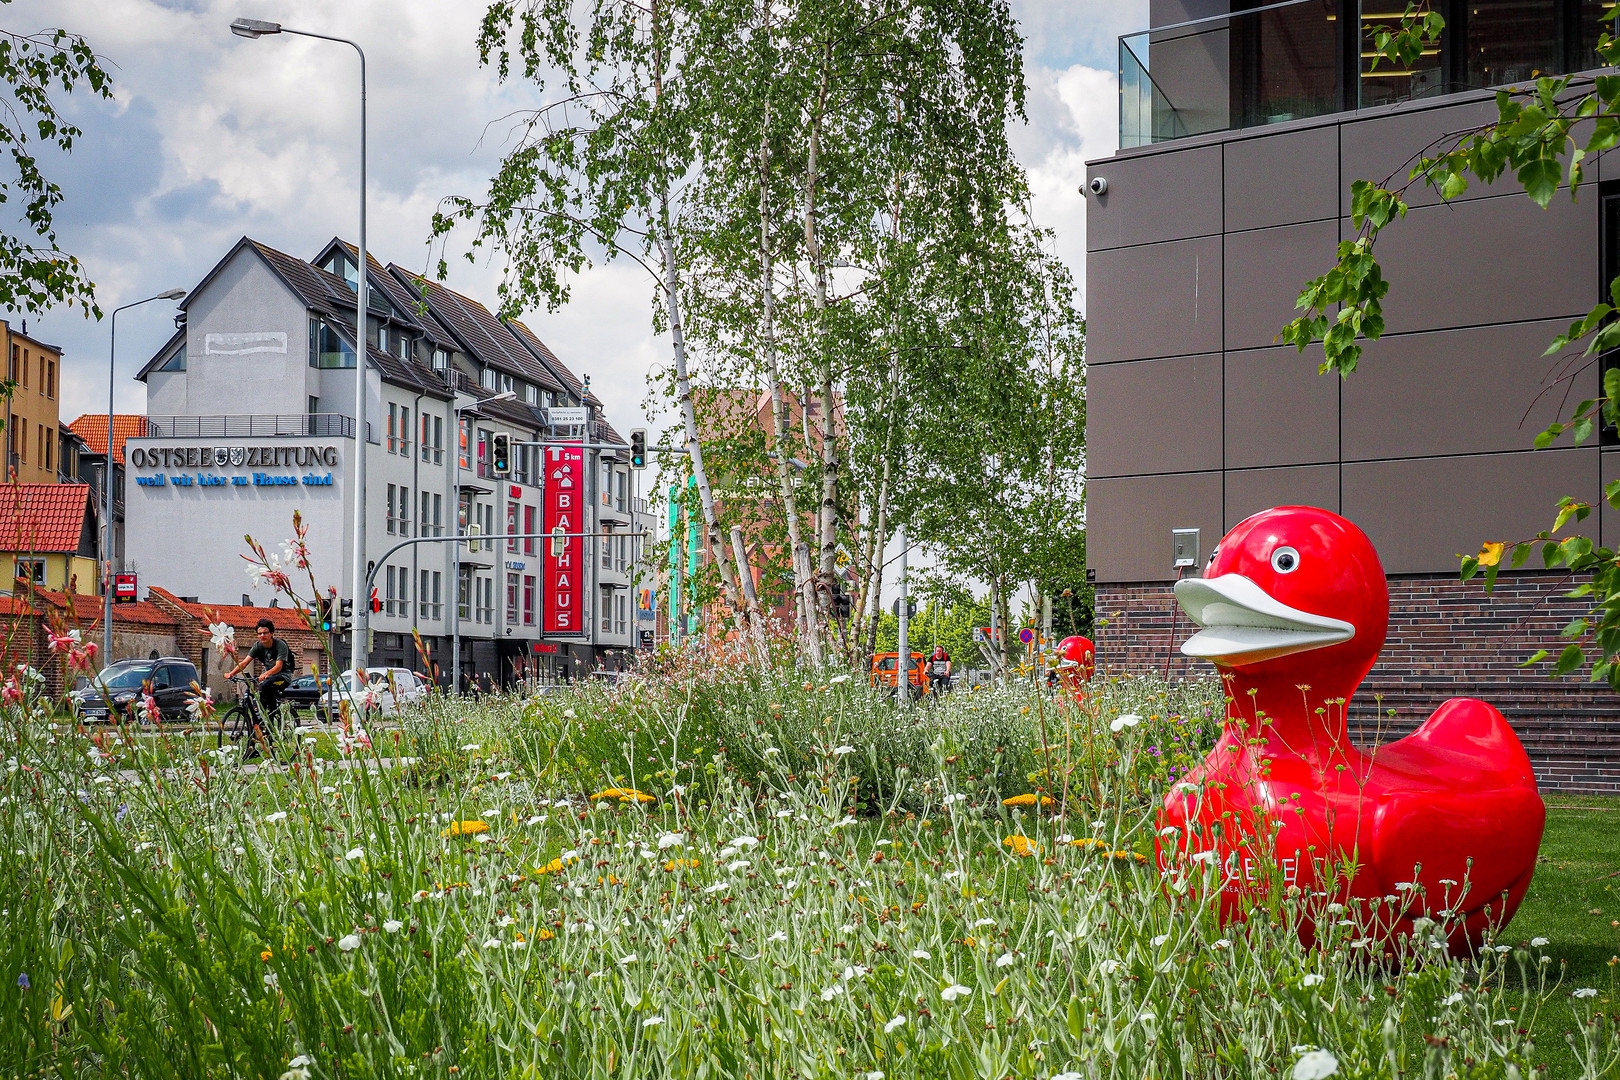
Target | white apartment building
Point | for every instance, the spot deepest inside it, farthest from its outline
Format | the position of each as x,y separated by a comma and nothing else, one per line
251,416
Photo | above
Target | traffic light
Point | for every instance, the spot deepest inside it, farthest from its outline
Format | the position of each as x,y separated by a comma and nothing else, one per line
638,448
501,455
376,602
323,613
345,615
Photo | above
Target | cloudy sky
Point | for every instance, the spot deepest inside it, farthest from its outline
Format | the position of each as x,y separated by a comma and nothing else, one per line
211,137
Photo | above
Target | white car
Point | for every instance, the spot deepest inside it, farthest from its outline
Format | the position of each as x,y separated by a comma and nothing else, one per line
388,690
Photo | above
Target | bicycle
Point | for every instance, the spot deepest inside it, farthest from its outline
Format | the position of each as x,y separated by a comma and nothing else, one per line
237,724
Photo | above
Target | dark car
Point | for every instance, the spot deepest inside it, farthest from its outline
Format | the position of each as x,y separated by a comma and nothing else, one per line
305,693
119,687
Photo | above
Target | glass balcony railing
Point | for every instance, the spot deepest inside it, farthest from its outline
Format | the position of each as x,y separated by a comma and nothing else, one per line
1299,58
1261,66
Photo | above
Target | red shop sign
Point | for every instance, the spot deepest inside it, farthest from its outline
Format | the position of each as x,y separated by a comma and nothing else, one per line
564,561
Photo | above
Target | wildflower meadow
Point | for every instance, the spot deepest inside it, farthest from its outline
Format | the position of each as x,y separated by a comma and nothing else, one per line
738,870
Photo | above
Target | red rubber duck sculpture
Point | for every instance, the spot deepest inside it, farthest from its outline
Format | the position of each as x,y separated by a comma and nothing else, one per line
1077,663
1443,824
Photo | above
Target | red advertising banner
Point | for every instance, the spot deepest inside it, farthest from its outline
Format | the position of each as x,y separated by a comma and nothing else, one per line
564,559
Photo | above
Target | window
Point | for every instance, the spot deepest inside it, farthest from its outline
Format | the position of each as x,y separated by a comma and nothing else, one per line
528,599
607,547
314,405
22,438
404,347
390,504
382,338
461,439
605,606
177,361
438,440
327,349
512,598
487,513
531,394
484,438
486,599
621,481
528,527
50,379
424,520
26,362
432,438
624,553
607,484
507,384
393,427
623,602
464,591
404,511
50,444
16,358
388,591
438,515
441,360
512,527
486,378
404,431
32,570
427,595
404,593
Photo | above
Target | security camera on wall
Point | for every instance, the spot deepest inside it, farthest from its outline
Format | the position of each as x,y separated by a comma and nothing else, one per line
1098,185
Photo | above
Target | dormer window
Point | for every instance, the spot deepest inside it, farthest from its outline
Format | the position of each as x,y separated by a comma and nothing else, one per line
486,378
344,267
382,338
441,359
531,395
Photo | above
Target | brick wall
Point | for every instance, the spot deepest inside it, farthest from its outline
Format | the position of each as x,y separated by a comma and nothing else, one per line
1446,639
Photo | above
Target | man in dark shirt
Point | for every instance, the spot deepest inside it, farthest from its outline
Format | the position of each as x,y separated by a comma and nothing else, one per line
277,659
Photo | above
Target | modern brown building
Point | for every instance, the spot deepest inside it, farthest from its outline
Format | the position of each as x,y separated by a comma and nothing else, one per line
31,418
1241,136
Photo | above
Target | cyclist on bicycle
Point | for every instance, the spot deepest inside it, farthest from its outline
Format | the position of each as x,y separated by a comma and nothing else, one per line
277,658
939,670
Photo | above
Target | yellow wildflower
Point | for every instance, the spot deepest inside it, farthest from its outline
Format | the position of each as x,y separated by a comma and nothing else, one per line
1088,842
1022,846
545,935
970,941
675,864
264,955
555,865
466,828
1027,799
628,794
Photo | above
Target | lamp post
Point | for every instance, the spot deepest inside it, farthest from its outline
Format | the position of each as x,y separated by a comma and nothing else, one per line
455,546
257,28
107,477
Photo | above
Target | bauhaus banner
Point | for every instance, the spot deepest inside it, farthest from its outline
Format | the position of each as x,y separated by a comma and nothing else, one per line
564,562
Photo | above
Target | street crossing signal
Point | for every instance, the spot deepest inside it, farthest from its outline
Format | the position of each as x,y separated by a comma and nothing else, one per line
323,613
345,614
638,448
376,602
501,455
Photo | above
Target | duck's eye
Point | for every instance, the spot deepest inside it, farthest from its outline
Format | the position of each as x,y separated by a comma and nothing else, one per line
1285,560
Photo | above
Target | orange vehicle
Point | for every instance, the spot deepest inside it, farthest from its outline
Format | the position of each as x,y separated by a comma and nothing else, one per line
884,673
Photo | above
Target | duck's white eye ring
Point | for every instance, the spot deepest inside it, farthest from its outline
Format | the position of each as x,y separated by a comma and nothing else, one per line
1285,560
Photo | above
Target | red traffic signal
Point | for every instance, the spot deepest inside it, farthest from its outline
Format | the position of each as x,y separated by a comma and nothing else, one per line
376,604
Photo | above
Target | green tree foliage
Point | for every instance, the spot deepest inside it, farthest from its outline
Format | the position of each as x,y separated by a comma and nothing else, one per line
1543,135
34,272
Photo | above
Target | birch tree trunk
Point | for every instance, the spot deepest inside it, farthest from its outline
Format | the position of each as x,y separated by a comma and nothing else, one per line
827,522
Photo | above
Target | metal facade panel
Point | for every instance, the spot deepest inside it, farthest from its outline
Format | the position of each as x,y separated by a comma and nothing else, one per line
1129,519
1383,144
1132,408
1265,269
1478,390
1485,261
1249,491
1282,179
1154,301
1424,512
1279,411
1140,189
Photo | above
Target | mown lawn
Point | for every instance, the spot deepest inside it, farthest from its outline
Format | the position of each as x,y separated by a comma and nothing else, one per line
1575,897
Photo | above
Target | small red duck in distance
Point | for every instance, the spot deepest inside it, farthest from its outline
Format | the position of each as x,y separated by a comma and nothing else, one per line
1077,663
1293,610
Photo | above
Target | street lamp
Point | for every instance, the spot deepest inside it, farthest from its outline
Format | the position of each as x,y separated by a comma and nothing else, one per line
257,28
107,478
455,545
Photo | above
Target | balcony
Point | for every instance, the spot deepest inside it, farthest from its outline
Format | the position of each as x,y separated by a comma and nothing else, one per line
250,426
1272,62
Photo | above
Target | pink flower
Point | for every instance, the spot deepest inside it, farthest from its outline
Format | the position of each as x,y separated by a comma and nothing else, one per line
11,693
62,643
149,707
83,659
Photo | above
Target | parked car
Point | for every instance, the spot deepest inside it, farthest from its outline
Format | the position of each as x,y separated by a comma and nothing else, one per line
885,669
391,688
119,687
305,693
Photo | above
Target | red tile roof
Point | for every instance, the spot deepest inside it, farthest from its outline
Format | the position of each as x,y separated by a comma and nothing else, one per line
92,428
85,611
238,615
45,518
